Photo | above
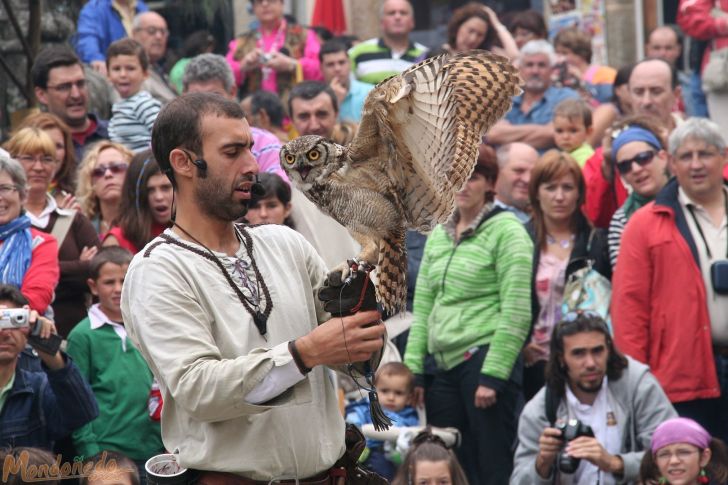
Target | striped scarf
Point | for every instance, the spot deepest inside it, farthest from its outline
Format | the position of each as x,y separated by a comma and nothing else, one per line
16,250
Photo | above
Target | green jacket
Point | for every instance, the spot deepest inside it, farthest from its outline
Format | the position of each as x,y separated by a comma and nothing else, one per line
121,381
474,292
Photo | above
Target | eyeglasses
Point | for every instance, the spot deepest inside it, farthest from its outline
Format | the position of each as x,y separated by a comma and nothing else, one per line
115,168
67,87
681,454
30,160
154,31
6,190
641,159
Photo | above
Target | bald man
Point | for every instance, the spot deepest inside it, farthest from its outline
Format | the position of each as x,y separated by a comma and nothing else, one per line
515,162
150,30
653,89
377,59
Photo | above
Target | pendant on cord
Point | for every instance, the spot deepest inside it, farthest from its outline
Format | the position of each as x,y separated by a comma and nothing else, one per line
261,322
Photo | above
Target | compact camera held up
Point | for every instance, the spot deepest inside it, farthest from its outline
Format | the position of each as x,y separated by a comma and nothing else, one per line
14,318
571,430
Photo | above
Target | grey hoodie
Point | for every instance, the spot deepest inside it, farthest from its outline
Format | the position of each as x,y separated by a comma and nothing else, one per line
641,405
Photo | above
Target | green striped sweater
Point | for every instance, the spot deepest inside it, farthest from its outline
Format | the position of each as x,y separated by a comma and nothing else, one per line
473,293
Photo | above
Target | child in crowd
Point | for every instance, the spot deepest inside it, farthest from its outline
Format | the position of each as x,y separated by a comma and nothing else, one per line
132,118
113,468
429,461
572,129
395,386
274,206
116,371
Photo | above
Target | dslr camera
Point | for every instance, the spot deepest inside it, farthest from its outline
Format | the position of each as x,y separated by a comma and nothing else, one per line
11,318
571,430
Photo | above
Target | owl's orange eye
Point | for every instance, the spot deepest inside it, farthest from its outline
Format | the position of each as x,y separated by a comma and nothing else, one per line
290,158
314,155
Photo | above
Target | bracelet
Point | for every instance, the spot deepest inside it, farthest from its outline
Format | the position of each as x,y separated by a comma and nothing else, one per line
297,358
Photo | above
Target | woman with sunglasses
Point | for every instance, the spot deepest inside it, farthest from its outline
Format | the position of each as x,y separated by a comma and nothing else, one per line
100,181
146,205
471,314
641,161
683,453
564,242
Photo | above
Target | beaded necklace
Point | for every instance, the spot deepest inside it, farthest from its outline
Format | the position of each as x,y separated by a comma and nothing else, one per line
253,303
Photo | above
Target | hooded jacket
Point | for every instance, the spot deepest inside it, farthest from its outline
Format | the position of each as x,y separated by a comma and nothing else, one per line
640,406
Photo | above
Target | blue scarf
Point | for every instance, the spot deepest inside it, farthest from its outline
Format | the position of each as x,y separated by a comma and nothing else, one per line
16,251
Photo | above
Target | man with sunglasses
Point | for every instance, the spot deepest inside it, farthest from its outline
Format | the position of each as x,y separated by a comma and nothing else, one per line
589,380
670,298
61,88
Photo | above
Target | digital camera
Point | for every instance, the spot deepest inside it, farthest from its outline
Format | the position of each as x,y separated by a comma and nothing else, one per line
14,318
571,430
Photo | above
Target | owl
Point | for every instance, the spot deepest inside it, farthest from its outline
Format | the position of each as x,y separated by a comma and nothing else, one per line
416,147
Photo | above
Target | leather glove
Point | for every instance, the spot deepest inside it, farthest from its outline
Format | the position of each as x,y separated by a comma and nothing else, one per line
340,298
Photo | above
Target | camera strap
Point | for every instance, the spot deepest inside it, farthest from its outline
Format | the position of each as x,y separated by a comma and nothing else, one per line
700,229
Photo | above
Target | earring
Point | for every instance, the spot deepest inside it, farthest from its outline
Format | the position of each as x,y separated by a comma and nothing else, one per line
703,477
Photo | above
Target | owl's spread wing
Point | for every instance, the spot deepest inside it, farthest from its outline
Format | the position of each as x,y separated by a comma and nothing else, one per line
427,124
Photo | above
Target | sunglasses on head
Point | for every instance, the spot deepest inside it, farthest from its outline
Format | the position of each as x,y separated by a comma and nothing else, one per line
642,159
569,318
115,168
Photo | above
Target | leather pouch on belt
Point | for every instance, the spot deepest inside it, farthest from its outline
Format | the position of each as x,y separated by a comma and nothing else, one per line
355,474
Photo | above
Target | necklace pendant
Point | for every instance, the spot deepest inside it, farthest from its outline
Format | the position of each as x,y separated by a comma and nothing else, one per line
261,322
565,243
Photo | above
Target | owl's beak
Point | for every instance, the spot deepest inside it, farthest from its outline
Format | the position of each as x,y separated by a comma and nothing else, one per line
304,171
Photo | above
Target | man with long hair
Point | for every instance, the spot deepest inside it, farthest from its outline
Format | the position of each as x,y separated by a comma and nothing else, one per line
589,384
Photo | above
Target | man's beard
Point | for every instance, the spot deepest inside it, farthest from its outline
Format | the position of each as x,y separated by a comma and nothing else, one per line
591,389
214,201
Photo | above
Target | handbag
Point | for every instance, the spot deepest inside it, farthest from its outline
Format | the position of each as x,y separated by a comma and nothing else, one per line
587,289
715,74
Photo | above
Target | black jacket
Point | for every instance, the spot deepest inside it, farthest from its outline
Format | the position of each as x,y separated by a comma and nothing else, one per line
598,253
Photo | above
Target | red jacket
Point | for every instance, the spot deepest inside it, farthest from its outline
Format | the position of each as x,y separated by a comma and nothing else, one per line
42,276
659,310
694,17
602,198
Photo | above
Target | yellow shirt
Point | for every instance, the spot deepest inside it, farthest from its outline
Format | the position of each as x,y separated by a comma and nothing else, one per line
127,14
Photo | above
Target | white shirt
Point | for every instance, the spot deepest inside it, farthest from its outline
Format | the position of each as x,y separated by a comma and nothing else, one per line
717,240
602,419
203,348
98,319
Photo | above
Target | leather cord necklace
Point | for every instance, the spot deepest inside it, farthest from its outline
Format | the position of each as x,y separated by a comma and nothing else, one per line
260,318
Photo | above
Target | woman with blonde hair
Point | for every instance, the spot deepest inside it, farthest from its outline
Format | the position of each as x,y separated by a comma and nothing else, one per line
100,181
64,182
77,239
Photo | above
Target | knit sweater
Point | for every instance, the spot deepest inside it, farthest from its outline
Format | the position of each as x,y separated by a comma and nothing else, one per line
132,120
121,381
471,293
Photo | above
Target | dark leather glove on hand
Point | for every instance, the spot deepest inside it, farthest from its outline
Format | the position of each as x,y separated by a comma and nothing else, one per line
340,299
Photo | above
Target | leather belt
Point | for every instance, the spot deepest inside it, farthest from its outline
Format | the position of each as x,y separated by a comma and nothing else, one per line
335,476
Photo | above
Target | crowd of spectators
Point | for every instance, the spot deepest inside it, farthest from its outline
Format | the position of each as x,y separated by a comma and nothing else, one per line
607,181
